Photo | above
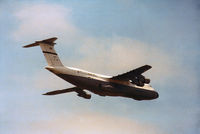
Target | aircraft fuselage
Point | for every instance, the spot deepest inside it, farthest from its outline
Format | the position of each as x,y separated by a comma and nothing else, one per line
104,85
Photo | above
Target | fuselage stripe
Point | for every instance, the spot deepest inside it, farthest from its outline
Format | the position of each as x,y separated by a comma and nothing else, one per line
49,52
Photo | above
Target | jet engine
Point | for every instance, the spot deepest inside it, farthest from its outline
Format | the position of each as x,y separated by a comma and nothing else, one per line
84,95
137,82
140,80
147,81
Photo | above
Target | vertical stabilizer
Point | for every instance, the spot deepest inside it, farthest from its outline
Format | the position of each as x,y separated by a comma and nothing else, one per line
48,50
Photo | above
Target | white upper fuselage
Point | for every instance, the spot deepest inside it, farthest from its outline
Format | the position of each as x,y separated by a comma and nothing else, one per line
82,73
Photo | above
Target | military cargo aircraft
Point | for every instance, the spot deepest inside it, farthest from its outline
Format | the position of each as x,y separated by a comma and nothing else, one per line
131,84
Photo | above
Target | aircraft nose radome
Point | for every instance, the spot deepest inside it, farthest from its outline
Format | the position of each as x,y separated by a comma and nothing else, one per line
156,95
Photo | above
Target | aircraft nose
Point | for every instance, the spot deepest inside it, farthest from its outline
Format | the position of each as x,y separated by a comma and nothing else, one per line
156,95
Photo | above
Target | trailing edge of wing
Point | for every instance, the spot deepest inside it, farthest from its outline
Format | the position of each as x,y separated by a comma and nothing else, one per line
62,91
131,74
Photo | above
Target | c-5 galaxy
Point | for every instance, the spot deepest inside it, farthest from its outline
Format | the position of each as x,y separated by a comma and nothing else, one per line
131,84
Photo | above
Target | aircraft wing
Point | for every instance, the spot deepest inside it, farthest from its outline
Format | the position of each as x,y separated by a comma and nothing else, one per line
132,74
80,92
62,91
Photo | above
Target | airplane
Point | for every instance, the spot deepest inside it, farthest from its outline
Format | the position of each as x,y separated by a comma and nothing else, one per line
131,84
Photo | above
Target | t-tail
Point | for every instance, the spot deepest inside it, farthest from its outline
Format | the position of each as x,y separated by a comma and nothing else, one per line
48,50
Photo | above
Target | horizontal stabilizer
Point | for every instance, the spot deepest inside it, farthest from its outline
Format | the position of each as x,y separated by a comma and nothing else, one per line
49,41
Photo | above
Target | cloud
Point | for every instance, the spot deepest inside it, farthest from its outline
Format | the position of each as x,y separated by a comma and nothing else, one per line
90,123
120,54
42,21
49,81
112,55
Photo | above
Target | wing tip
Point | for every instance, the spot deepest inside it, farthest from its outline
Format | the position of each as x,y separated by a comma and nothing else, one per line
46,94
149,66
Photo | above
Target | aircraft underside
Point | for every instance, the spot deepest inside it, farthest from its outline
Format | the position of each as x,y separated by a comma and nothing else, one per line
104,88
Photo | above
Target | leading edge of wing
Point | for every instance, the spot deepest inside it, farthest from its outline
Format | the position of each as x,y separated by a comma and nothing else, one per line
131,74
62,91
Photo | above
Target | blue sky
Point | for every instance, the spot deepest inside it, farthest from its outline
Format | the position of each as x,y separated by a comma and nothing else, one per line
108,38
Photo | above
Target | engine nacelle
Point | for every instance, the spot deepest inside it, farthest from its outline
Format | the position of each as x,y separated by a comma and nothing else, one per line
147,81
140,80
140,84
84,95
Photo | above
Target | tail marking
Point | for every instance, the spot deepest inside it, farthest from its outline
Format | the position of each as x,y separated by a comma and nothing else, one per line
48,50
